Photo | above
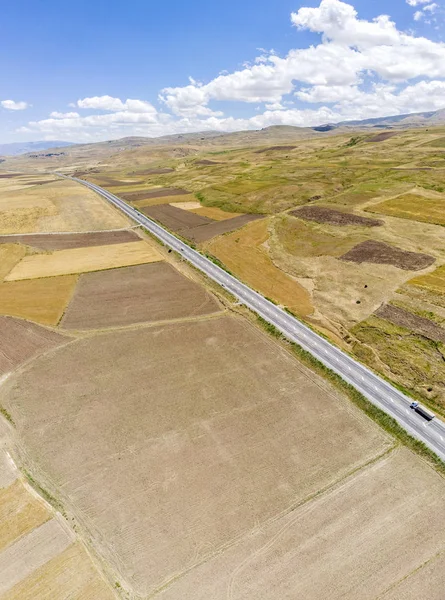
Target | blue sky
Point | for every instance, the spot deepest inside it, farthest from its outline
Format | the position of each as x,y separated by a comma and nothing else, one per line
56,54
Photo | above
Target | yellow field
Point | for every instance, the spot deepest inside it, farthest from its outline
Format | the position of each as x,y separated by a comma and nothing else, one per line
241,252
83,260
69,575
39,300
213,212
434,281
10,255
20,512
186,205
415,207
56,206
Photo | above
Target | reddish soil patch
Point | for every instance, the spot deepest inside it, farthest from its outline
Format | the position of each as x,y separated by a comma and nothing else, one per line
9,175
40,182
175,218
207,232
145,293
21,340
272,148
414,323
207,162
147,194
71,240
322,214
384,254
381,137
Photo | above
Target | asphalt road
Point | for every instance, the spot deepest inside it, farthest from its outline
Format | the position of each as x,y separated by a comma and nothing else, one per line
377,390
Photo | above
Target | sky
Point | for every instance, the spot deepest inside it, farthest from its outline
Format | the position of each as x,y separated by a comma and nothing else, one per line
96,70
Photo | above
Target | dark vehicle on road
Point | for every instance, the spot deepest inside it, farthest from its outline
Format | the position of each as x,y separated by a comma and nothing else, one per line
422,411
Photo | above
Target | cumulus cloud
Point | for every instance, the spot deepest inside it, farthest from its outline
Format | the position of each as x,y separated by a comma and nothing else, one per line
12,105
358,69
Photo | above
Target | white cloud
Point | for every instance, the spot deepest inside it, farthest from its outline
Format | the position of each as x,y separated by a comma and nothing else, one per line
12,105
360,68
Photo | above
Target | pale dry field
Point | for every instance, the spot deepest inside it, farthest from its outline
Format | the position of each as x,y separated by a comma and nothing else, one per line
56,206
371,534
172,442
10,255
82,260
40,300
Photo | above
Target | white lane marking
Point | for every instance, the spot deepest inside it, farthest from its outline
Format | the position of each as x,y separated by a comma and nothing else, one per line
392,400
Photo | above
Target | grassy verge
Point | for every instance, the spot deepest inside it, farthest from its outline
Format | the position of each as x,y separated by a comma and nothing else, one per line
7,416
43,492
387,423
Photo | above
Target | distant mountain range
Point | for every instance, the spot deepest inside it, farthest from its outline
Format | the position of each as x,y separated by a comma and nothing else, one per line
17,148
422,119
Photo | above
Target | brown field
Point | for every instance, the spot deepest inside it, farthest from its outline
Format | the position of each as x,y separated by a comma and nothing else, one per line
214,213
434,281
206,162
322,214
82,260
174,218
20,341
274,148
381,137
242,252
152,193
372,251
153,292
207,232
170,452
157,171
415,207
39,300
403,318
10,255
54,241
59,206
20,513
351,543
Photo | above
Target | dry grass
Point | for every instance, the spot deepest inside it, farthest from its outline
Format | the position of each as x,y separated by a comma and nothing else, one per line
434,281
82,260
20,513
162,200
39,300
413,206
70,575
227,434
243,253
355,542
10,255
186,205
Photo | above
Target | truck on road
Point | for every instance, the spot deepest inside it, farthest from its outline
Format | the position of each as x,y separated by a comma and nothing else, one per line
422,411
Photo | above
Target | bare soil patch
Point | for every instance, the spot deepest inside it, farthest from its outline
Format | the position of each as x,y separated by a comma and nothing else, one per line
64,241
420,325
39,300
170,451
150,193
207,232
9,175
20,341
348,544
153,292
206,162
372,251
160,171
274,148
174,218
83,260
322,214
381,137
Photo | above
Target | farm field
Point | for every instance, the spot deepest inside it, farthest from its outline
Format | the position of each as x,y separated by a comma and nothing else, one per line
40,300
249,447
81,260
415,207
145,293
65,241
55,206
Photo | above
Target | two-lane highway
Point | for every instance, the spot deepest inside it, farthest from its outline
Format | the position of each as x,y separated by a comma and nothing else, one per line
377,390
